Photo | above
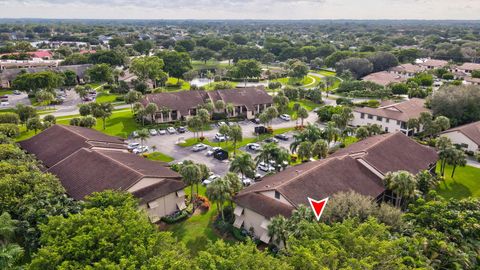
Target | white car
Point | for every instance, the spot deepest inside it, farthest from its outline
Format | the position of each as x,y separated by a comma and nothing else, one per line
135,134
220,137
153,132
210,179
213,150
265,167
141,149
171,130
199,147
162,132
254,146
222,124
133,145
246,181
285,117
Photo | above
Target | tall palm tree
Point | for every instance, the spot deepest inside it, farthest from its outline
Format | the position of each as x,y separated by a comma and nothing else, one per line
311,133
278,230
404,184
330,132
235,134
234,185
219,192
191,175
302,113
320,149
305,151
204,116
143,135
267,153
151,109
243,164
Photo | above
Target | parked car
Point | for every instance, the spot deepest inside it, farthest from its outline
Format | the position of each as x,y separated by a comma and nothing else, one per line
220,137
171,130
153,132
282,137
133,145
199,147
265,167
254,146
162,132
256,121
135,134
270,140
213,150
221,124
141,149
210,179
246,181
16,92
285,117
181,129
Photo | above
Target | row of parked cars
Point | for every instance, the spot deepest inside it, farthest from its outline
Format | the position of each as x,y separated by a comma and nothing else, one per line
169,130
136,148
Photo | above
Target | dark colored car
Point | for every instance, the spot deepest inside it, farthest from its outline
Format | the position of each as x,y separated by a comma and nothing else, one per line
271,140
282,137
181,129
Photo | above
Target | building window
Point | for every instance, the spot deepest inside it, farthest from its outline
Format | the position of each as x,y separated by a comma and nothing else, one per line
362,115
398,123
387,120
379,118
386,129
277,195
370,116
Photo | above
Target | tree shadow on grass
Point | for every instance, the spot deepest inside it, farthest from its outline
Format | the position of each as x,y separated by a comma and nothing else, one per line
454,189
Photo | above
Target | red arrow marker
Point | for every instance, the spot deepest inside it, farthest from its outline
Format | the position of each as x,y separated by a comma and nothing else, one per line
318,206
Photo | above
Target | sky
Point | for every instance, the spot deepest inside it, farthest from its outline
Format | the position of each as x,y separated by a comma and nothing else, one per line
242,9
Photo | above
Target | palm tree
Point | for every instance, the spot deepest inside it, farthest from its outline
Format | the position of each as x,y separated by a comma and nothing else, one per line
230,109
278,230
320,149
267,153
457,158
243,164
404,185
191,175
330,132
305,151
204,116
204,173
235,134
425,181
219,192
195,124
9,252
295,108
151,109
444,147
143,135
311,133
302,113
234,185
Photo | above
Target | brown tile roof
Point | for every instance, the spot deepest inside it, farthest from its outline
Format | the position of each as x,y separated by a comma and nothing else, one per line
158,190
471,131
186,100
59,141
402,111
87,171
409,68
469,66
348,169
263,205
434,63
384,78
181,101
245,96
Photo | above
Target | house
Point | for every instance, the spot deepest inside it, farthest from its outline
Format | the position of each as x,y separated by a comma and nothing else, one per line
41,54
432,63
7,76
466,136
88,161
471,81
467,68
35,63
173,106
361,168
391,117
384,78
408,70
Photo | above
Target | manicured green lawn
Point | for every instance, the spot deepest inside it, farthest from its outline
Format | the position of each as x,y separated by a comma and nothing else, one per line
157,156
326,73
120,124
211,64
307,104
289,81
5,92
350,140
184,85
104,97
466,183
7,110
197,230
